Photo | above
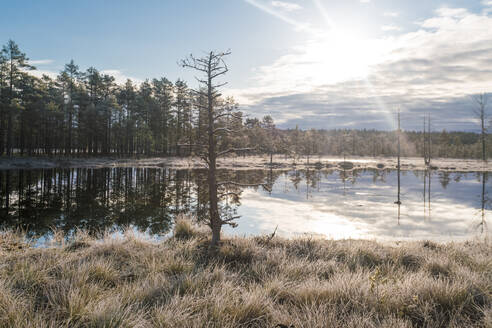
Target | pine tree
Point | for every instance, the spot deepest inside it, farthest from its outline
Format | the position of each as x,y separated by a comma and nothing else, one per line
16,64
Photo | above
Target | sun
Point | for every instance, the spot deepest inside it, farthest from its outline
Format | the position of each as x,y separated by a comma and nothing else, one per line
341,55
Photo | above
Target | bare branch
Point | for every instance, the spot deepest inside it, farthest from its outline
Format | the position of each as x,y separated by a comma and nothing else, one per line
219,73
201,81
231,218
219,85
229,221
232,224
234,115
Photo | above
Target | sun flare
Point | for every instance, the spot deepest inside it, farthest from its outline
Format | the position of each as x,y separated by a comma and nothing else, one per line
341,55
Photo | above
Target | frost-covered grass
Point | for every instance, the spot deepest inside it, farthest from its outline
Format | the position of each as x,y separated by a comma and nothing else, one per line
254,282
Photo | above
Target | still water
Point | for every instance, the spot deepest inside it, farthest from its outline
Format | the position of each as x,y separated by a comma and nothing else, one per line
333,204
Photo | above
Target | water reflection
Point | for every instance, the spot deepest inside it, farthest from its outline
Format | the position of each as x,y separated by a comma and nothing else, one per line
485,201
336,204
360,204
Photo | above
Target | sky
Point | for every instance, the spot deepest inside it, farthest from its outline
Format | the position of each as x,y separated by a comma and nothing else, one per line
312,63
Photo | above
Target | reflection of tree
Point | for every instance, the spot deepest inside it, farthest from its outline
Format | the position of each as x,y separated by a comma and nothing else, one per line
93,199
427,193
379,175
444,179
272,176
485,201
343,177
312,179
355,174
295,178
230,193
99,199
149,199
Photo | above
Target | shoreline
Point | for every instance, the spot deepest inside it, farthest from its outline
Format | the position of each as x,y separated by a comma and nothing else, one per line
280,162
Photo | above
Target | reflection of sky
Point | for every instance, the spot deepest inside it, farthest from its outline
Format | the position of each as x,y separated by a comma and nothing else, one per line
366,209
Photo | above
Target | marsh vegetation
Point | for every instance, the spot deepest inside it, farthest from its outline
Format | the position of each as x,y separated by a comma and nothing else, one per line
247,282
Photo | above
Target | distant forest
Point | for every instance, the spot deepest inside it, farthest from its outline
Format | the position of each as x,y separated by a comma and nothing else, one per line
85,113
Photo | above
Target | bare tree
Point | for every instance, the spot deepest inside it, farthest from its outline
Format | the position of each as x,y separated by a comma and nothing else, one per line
398,133
220,119
481,101
427,142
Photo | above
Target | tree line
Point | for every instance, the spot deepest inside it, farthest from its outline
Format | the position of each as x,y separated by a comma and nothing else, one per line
86,113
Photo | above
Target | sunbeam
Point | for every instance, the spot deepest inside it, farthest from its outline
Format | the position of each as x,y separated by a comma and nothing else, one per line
298,26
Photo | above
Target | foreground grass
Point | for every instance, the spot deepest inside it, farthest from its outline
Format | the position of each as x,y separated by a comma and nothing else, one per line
254,282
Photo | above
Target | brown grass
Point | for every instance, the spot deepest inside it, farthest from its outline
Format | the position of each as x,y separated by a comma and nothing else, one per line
252,282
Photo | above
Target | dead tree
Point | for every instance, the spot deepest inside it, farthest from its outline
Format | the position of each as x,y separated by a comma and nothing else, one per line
427,143
219,117
481,101
398,201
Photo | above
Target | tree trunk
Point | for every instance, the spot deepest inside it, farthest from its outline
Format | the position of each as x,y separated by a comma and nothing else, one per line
215,223
2,128
484,157
9,133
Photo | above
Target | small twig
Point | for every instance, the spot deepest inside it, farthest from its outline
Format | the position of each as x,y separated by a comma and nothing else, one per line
273,234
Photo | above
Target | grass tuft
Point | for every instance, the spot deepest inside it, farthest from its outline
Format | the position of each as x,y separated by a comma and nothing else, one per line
410,262
183,229
439,270
246,282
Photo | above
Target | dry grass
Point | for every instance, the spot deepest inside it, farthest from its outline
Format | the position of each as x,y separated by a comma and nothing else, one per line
253,282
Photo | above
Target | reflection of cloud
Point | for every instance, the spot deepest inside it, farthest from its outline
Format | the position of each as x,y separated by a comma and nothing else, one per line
364,210
295,218
435,68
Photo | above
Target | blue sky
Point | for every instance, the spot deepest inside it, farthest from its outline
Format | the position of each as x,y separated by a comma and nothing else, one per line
315,63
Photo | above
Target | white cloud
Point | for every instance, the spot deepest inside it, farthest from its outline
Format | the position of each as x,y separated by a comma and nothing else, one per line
41,62
288,6
365,1
452,12
388,28
487,2
436,67
391,14
120,77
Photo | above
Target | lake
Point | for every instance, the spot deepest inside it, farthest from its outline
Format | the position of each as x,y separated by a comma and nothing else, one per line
335,204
